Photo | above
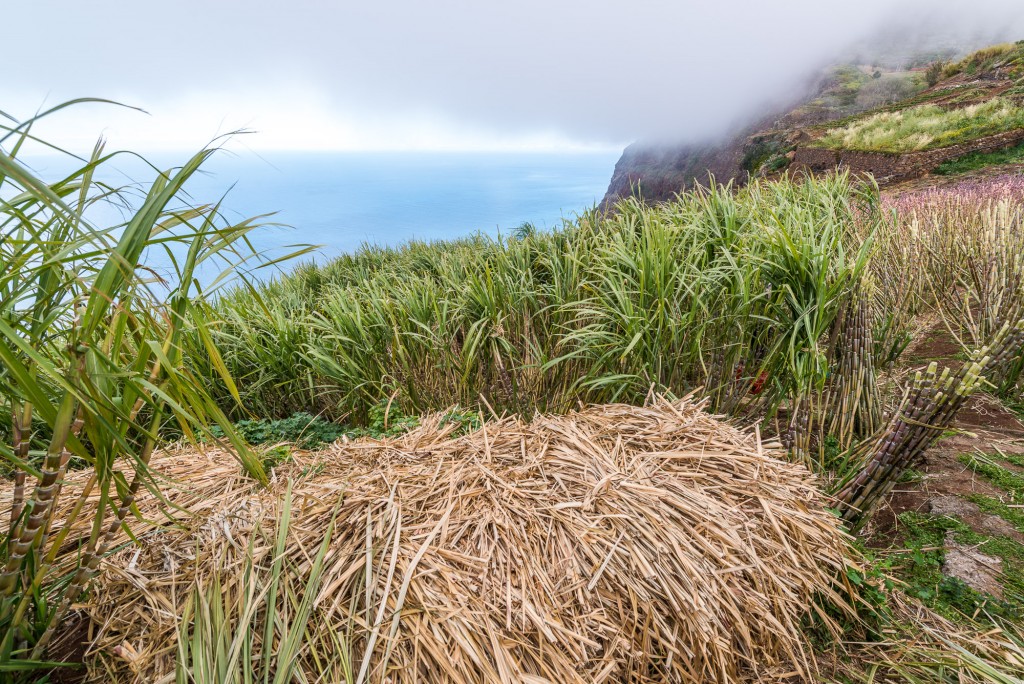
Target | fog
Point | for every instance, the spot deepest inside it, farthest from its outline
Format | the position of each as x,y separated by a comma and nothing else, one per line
449,74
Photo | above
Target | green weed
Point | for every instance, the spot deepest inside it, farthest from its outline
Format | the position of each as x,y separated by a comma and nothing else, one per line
994,506
911,475
309,432
301,429
920,568
1011,482
981,160
1015,404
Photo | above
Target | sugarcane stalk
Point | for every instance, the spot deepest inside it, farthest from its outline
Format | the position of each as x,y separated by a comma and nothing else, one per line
850,405
89,566
65,457
20,446
27,533
930,408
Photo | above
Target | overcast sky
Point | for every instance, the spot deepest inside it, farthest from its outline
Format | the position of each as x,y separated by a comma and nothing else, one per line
436,74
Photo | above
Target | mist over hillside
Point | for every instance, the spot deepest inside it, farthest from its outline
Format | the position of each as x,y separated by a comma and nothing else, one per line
902,63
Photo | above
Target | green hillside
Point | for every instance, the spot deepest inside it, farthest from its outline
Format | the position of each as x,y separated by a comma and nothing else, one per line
980,95
925,127
860,107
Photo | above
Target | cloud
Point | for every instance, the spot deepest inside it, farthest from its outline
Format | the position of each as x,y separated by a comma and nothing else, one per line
398,74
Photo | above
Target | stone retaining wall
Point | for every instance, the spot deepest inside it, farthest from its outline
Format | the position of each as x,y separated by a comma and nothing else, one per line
898,167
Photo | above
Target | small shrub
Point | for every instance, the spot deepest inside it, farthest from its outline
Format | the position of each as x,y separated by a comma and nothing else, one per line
884,91
934,73
849,80
301,429
765,153
309,432
385,422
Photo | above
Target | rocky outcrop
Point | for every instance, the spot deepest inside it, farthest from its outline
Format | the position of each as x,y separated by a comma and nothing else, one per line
656,174
977,570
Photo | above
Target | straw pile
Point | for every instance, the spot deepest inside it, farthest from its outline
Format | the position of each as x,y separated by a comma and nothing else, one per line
615,544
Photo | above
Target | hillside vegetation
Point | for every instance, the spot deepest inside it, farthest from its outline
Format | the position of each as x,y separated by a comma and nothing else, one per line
980,161
1005,57
925,127
714,290
855,108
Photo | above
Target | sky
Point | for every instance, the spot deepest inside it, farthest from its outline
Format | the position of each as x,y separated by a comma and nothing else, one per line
538,75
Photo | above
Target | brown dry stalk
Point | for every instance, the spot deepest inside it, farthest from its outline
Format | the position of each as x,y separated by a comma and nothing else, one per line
613,544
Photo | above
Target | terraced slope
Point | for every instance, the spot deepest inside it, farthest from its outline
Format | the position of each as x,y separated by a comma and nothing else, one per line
895,126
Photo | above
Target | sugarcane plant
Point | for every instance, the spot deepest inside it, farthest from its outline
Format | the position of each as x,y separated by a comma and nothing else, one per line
852,408
971,272
91,367
844,404
929,407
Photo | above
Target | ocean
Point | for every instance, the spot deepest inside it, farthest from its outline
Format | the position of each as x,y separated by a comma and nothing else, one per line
341,201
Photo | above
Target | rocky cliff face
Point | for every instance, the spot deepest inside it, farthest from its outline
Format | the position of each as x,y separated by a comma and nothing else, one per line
657,173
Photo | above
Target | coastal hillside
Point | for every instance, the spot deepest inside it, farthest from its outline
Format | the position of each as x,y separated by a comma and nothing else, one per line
769,433
897,122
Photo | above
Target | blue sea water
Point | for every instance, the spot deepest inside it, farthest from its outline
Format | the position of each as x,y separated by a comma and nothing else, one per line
341,201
